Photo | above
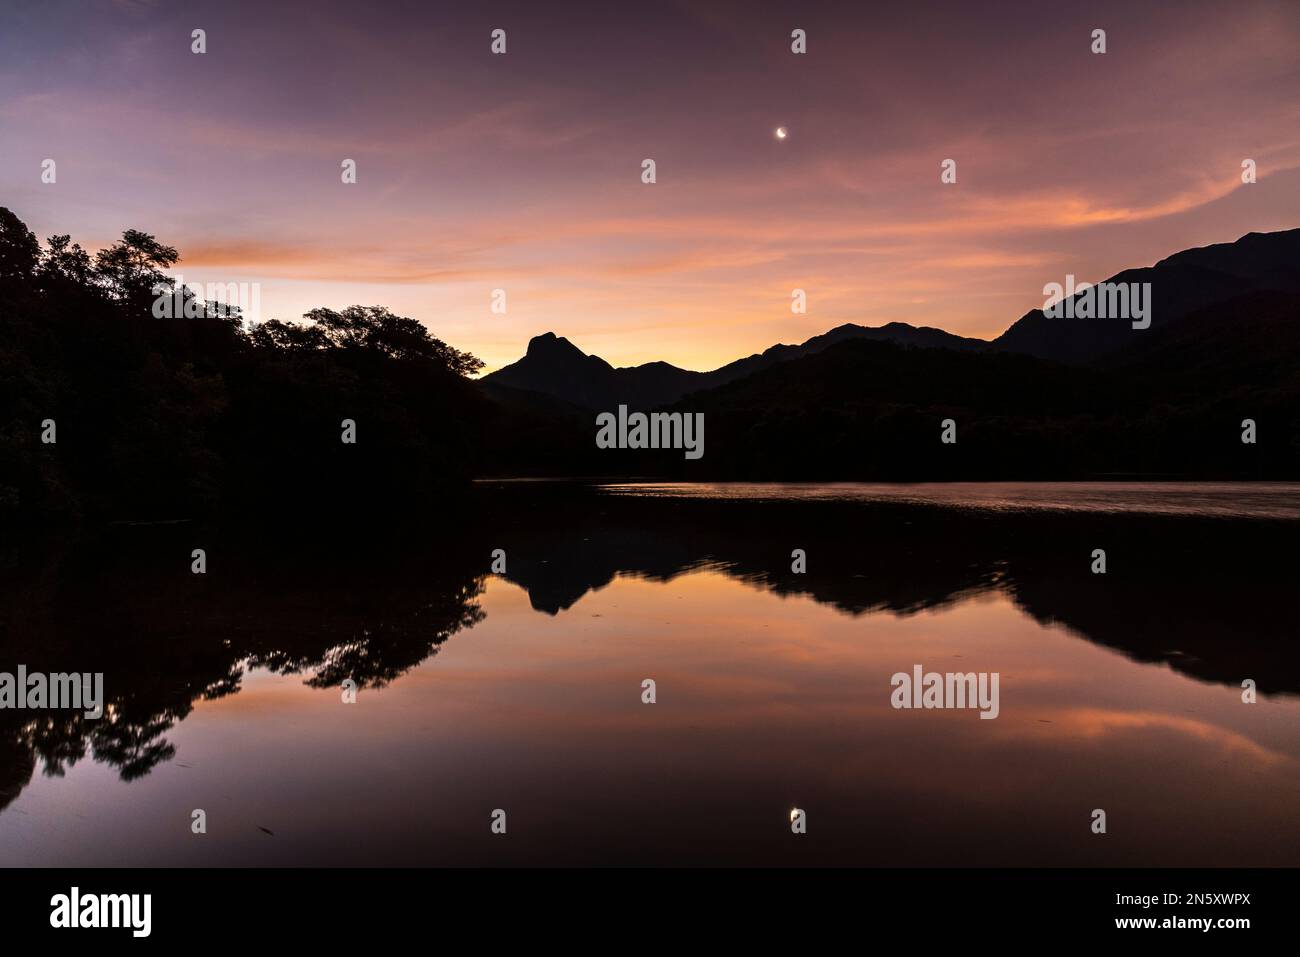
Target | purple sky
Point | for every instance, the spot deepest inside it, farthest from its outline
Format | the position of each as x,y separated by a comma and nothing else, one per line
522,171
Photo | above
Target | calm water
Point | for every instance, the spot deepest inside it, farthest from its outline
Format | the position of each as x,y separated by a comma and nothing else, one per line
522,691
1223,499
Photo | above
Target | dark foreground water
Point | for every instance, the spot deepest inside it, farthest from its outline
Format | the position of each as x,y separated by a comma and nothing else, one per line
522,691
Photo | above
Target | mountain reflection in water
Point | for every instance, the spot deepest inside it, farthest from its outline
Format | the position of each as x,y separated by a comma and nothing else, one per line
1119,691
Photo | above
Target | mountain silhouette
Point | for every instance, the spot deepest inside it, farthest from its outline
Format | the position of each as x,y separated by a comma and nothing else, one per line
1184,283
1051,398
1172,404
554,367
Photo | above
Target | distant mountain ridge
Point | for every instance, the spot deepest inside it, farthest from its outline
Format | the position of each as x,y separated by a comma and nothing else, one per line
1187,282
555,367
1181,284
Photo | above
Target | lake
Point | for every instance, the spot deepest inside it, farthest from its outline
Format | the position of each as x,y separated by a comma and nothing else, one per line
522,690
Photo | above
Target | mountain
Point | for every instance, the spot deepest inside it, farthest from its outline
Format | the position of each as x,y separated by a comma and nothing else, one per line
1171,404
1048,399
1186,283
1182,284
555,368
862,411
899,333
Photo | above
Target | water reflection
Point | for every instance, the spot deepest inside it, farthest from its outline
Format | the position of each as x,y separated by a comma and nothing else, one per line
126,604
1204,595
1274,500
769,681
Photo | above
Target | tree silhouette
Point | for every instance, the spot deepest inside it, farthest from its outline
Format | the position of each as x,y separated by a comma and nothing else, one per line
184,416
376,328
19,249
131,269
65,261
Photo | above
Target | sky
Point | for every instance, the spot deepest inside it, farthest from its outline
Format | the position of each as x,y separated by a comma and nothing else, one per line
523,171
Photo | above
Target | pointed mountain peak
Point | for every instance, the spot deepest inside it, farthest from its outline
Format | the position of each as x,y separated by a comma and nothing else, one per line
548,343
